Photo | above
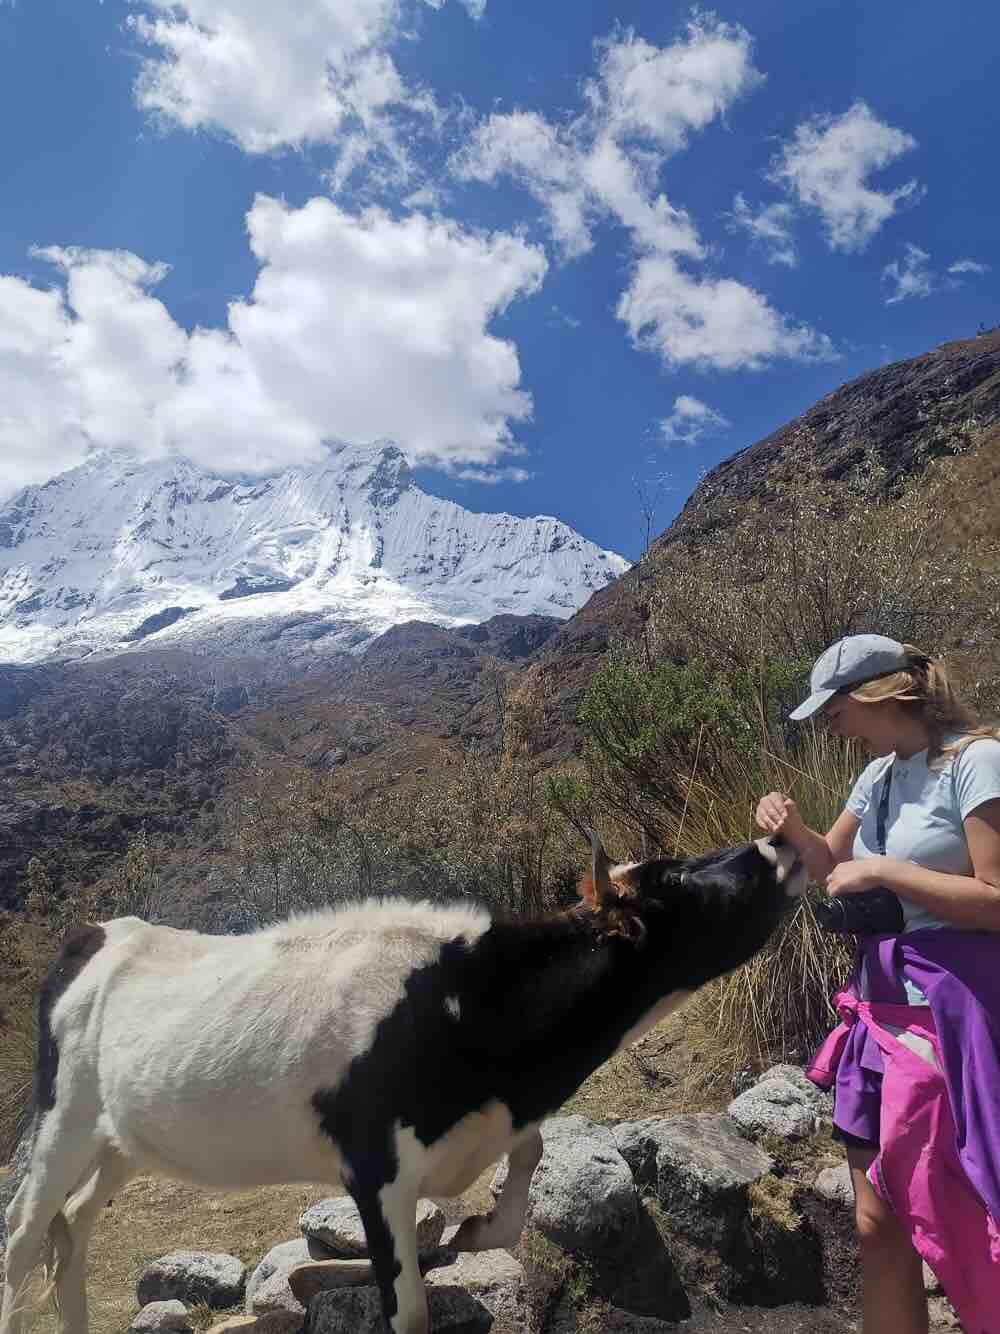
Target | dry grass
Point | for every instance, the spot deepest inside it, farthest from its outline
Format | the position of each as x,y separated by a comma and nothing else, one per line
151,1217
772,1200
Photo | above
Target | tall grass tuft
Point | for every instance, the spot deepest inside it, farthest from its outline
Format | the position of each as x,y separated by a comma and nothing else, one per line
17,1063
777,1006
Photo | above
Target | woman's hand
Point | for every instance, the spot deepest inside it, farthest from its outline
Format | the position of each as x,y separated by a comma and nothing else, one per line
855,877
778,814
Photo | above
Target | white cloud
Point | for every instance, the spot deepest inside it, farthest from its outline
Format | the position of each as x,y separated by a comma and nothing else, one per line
663,93
968,266
827,165
358,328
40,420
690,420
711,323
494,476
273,76
643,106
524,145
476,8
911,276
770,229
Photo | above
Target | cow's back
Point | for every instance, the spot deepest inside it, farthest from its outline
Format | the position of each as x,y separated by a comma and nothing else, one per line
242,1029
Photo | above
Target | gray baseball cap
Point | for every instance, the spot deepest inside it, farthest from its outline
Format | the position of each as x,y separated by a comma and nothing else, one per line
850,662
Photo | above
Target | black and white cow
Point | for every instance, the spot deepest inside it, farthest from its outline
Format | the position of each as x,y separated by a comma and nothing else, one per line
397,1047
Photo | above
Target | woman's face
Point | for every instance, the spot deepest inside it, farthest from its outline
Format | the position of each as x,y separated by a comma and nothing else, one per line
870,724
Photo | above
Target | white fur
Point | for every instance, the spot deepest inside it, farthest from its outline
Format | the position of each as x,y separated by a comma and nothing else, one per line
196,1057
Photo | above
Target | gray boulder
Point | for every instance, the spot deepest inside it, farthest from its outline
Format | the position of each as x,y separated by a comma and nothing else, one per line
274,1294
358,1311
284,1257
775,1106
704,1168
211,1277
494,1278
639,1142
821,1099
337,1224
834,1183
161,1316
582,1195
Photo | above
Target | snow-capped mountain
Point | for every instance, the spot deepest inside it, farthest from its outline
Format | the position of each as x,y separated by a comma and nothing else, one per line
118,553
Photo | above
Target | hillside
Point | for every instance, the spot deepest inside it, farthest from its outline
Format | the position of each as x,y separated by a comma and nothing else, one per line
92,752
910,412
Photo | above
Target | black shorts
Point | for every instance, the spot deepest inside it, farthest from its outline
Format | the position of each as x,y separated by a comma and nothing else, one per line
853,1141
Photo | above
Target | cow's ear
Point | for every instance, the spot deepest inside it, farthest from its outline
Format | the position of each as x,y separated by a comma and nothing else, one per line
600,869
606,883
585,888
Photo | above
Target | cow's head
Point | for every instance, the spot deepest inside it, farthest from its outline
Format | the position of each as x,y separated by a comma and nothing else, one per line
714,911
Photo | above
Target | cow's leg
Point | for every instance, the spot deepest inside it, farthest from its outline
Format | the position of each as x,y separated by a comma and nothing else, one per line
63,1153
501,1229
81,1213
390,1218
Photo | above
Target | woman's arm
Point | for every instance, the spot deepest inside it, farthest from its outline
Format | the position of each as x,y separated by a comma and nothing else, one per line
971,901
778,814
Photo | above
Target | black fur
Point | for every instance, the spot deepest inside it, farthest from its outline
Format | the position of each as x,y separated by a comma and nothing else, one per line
540,1006
77,949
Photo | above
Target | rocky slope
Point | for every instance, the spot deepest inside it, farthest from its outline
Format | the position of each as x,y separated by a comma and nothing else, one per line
910,411
117,554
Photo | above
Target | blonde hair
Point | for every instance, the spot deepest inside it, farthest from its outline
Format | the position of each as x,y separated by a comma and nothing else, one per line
925,690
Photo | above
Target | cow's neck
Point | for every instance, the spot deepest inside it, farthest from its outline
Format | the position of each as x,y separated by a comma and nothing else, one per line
566,1001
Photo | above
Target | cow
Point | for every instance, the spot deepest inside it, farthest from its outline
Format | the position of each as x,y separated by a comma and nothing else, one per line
396,1047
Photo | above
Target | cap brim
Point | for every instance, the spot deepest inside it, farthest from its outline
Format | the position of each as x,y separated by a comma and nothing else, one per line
812,705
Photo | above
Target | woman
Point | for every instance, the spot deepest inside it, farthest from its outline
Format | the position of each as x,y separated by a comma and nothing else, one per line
916,1062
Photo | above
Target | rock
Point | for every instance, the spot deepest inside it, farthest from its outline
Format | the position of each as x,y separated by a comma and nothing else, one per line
157,1316
704,1167
284,1257
305,1281
932,1284
275,1322
639,1144
494,1277
337,1224
821,1099
834,1183
582,1195
775,1107
616,1321
274,1294
358,1311
214,1278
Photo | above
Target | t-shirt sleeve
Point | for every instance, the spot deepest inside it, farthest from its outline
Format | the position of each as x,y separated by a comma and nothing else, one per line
861,793
977,775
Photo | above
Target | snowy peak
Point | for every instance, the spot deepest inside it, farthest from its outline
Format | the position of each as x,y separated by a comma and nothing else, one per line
312,560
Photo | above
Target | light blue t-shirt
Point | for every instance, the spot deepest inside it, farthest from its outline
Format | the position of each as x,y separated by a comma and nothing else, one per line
926,810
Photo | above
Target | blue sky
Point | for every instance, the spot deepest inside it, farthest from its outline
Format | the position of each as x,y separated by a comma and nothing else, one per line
553,250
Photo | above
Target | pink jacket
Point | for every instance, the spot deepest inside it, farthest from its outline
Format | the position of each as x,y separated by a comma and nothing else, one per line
918,1171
